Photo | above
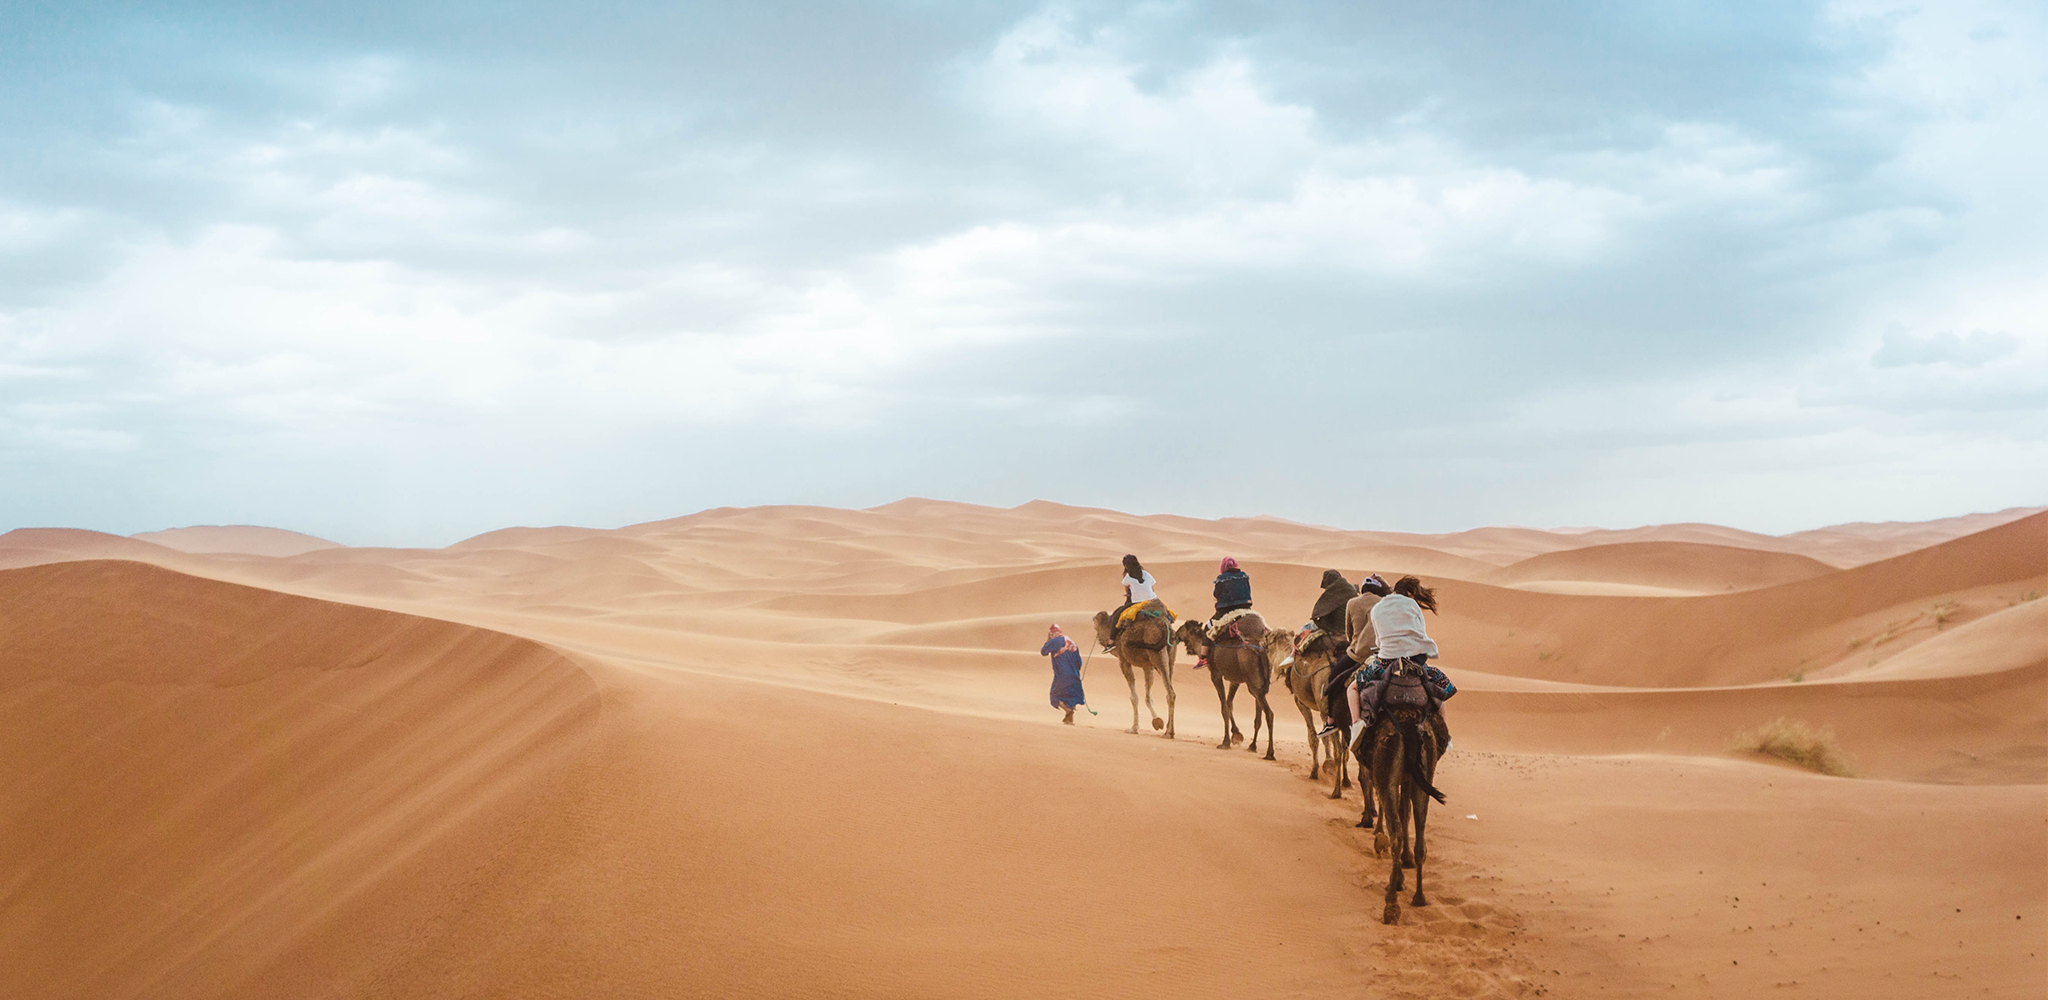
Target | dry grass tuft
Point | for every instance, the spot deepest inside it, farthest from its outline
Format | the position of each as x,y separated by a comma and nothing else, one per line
1795,741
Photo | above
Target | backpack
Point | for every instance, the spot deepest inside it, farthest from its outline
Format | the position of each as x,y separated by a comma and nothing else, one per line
1404,687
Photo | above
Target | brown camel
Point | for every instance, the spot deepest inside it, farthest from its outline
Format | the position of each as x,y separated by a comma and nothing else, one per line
1147,644
1404,755
1305,676
1236,661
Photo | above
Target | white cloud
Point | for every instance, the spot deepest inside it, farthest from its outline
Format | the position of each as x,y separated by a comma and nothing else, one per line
1972,350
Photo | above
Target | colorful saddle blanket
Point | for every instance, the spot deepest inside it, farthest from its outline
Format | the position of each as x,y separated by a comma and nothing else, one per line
1154,608
1307,638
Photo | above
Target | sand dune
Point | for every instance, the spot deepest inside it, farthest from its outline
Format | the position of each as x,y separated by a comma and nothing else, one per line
36,546
803,752
244,539
215,790
1861,542
1681,567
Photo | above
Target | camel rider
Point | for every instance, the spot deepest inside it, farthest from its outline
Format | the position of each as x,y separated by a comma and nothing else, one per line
1358,627
1401,633
1233,593
1233,589
1138,588
1328,614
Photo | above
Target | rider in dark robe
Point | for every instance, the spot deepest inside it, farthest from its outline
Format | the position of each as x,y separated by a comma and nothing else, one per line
1361,642
1329,610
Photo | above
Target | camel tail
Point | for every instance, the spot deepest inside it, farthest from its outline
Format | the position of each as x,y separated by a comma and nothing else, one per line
1411,734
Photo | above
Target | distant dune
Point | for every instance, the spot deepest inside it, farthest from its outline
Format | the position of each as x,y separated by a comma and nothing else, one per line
237,538
798,751
1677,566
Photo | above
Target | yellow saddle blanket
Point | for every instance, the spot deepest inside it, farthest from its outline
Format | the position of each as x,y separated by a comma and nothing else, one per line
1155,606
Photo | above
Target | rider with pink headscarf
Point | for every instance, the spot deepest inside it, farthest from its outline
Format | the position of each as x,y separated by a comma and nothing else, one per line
1233,589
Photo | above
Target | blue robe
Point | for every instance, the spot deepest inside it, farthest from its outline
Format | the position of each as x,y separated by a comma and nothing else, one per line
1066,672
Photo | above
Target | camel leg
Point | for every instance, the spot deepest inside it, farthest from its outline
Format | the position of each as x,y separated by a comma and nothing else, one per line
1151,712
1230,711
1387,771
1377,797
1421,849
1257,717
1167,677
1315,756
1262,707
1223,705
1428,755
1131,681
1338,758
1369,790
1392,914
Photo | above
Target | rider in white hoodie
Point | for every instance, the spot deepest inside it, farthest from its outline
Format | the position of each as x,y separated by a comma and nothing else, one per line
1401,634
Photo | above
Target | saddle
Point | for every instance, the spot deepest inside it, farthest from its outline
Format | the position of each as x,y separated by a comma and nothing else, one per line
1306,640
1231,628
1154,608
1404,687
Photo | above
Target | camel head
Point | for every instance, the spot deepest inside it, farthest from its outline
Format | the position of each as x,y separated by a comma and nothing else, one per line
1103,629
1190,634
1279,650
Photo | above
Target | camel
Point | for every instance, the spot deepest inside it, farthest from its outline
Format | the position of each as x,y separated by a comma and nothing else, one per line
1404,755
1147,644
1305,676
1237,662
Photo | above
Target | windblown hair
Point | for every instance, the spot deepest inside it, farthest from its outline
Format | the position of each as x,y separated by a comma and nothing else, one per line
1412,588
1132,567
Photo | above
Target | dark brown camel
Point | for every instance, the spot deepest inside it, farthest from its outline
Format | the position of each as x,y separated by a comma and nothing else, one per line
1236,660
1305,675
1404,755
1146,644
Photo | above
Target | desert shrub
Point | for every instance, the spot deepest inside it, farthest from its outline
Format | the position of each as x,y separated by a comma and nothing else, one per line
1795,741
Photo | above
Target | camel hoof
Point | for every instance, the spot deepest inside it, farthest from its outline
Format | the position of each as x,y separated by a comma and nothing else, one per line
1159,723
1133,729
1225,745
1418,900
1269,751
1393,914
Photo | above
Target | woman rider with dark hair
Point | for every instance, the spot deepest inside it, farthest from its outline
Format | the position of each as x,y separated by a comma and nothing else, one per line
1138,588
1402,635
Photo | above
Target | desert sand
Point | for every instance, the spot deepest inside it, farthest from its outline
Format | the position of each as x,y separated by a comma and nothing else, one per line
806,752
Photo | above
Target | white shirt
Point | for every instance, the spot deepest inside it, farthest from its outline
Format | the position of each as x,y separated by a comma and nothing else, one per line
1141,590
1397,624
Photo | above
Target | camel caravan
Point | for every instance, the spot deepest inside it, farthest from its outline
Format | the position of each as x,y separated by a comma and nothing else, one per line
1358,672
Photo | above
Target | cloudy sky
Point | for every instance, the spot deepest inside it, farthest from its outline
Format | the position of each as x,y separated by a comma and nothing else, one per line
402,273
